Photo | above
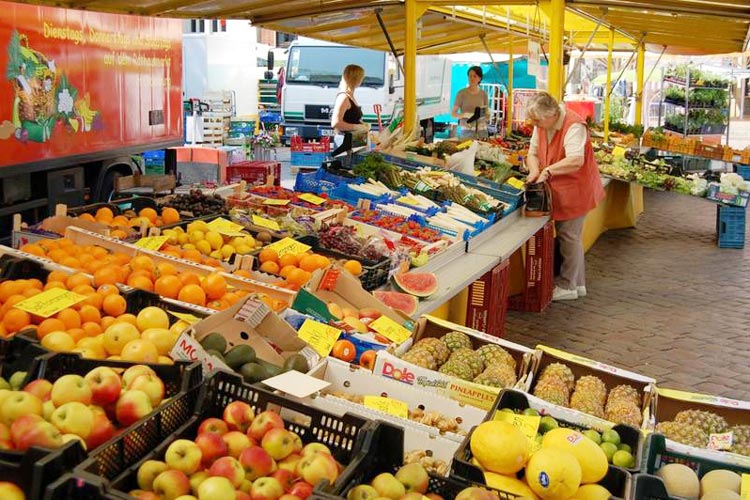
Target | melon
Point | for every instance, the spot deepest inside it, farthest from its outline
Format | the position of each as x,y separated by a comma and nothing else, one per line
680,480
553,474
592,459
403,302
418,284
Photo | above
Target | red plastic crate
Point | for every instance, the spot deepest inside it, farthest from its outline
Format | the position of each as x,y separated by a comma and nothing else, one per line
488,301
254,172
299,145
540,279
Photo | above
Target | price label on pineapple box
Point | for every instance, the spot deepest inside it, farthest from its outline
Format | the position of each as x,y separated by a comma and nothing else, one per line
187,318
311,198
288,245
516,183
387,405
226,227
267,223
720,441
320,337
273,201
527,424
152,242
50,302
389,329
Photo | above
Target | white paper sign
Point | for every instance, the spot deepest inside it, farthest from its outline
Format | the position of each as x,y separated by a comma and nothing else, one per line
297,384
533,61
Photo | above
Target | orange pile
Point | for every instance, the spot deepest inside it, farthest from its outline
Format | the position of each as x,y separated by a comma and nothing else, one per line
122,226
191,255
295,269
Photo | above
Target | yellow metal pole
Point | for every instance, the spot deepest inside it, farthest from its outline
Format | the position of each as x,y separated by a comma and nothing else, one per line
556,42
640,64
509,98
607,93
410,66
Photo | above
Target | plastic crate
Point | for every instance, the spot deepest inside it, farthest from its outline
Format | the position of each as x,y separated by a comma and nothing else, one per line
743,171
309,183
345,193
326,173
254,172
714,193
19,354
304,159
92,208
730,226
297,145
112,470
488,301
539,273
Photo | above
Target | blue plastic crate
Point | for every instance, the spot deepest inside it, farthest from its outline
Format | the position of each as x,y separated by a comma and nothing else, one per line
307,159
730,226
324,175
744,171
308,183
351,196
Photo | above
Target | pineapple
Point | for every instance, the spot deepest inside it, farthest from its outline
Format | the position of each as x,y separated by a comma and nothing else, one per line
590,387
458,370
470,358
624,412
741,434
456,340
587,403
707,421
553,390
624,393
435,347
493,354
421,357
497,376
690,435
741,449
560,371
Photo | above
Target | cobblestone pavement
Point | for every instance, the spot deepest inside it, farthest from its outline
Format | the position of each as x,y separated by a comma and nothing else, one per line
663,300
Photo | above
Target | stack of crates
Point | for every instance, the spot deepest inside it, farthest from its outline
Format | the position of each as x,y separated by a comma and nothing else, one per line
743,171
488,301
539,273
730,226
309,154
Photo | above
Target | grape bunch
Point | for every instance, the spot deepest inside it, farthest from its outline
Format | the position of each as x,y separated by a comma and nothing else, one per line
340,238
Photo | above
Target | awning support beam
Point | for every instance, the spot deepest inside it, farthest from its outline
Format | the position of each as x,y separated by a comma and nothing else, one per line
625,67
583,52
608,97
378,11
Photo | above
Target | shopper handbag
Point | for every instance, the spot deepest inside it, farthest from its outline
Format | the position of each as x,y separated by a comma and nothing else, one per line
537,200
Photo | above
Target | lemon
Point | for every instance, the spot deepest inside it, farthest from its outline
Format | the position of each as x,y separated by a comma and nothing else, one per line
179,327
178,230
198,225
188,246
500,447
227,251
182,239
172,235
243,249
162,338
196,236
203,247
592,492
58,342
215,239
216,254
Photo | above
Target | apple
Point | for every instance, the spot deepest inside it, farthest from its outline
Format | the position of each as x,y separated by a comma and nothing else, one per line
257,462
67,438
148,471
216,488
434,496
290,462
285,478
388,486
241,495
134,371
6,444
171,484
414,478
70,388
264,422
215,425
23,424
236,442
144,495
102,431
414,495
212,447
278,442
301,489
229,468
132,406
318,466
9,491
312,448
183,455
246,485
105,385
238,416
298,444
476,493
287,496
73,418
266,488
151,385
196,479
186,497
40,388
362,492
47,409
41,434
19,403
4,431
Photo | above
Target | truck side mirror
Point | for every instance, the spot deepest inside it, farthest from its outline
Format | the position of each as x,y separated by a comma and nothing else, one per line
391,86
270,60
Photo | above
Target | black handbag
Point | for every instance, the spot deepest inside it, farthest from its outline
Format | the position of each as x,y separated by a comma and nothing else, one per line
537,200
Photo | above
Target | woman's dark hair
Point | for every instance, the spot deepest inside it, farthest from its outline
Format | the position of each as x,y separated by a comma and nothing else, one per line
477,70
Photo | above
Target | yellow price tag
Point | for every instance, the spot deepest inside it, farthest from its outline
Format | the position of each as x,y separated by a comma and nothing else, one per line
273,201
527,424
227,227
50,302
745,487
387,405
390,329
311,198
619,152
321,337
407,201
187,318
288,245
152,242
516,183
267,223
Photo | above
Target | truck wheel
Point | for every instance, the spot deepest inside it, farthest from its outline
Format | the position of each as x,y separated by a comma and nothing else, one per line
428,129
108,186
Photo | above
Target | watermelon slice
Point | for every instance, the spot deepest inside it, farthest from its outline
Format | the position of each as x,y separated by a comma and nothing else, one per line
403,302
417,284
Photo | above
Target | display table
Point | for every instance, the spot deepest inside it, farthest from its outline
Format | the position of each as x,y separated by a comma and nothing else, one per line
619,210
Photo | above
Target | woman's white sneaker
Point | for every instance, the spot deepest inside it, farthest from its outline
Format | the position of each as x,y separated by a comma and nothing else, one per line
563,294
581,291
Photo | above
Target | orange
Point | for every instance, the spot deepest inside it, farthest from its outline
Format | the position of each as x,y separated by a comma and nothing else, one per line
15,320
127,318
270,266
104,214
87,217
192,294
168,286
108,289
118,234
90,314
298,277
192,255
35,283
268,255
120,220
323,261
189,278
30,292
148,213
93,266
83,289
140,272
219,305
99,252
76,333
309,263
141,282
71,262
93,299
114,305
57,254
92,328
284,273
353,266
367,359
86,259
55,284
70,317
120,258
33,249
107,321
49,325
142,262
288,260
165,269
214,285
242,273
169,215
211,262
106,276
9,288
231,298
344,350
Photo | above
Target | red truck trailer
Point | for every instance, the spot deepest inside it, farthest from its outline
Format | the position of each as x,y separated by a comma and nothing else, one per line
82,93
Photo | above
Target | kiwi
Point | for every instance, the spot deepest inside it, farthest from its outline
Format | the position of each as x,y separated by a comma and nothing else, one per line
253,372
264,236
296,362
214,341
239,355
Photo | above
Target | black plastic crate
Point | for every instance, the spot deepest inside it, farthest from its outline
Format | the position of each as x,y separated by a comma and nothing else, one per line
134,203
92,208
138,299
112,469
20,354
14,268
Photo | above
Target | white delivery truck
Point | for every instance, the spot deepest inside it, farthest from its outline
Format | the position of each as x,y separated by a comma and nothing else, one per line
313,73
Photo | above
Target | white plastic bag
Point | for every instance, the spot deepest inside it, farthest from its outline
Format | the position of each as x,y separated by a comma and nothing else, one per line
463,161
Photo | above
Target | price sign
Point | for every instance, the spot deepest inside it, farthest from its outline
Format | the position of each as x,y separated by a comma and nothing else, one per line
267,223
387,405
226,227
618,152
288,245
311,198
390,329
152,242
720,441
50,302
320,337
527,424
273,201
516,183
187,318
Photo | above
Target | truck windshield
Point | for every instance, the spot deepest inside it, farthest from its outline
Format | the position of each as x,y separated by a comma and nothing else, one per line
324,65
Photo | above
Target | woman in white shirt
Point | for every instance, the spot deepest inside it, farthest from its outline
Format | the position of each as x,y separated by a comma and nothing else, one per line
470,107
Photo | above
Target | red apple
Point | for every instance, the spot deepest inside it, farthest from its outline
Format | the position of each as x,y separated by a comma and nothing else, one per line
40,388
238,416
41,434
264,422
212,447
69,388
236,442
229,468
183,455
145,495
257,462
74,418
133,372
102,431
6,444
266,488
148,471
171,484
316,467
290,462
18,404
241,495
9,491
23,424
132,406
215,425
301,489
278,442
105,385
286,478
151,385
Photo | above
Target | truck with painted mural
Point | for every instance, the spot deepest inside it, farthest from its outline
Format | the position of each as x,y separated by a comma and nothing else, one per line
313,72
81,94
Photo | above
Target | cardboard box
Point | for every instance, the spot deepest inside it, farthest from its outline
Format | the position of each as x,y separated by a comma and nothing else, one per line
51,228
153,183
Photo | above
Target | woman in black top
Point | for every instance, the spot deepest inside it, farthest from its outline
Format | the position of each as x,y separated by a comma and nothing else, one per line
347,114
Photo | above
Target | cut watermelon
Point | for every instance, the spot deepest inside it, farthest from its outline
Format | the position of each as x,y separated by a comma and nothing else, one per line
403,302
417,284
